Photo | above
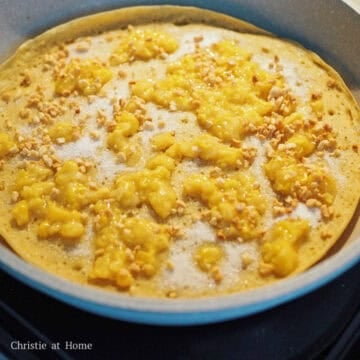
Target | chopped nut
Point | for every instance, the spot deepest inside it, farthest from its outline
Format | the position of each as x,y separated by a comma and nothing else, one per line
54,192
216,274
275,92
15,196
134,268
198,38
172,294
265,269
24,113
60,140
279,210
180,204
122,74
83,46
93,185
169,265
161,124
240,207
121,157
246,259
129,254
82,169
313,203
47,160
172,106
327,211
148,125
95,135
99,252
325,235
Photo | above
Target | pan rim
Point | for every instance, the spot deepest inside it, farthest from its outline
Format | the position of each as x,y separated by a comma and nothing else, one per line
179,311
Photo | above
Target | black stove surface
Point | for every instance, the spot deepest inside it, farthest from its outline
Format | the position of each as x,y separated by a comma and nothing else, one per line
322,325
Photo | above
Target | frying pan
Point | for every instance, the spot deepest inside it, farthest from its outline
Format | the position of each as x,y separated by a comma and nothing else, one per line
328,27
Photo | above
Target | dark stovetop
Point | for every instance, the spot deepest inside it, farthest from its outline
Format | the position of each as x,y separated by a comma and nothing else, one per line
322,325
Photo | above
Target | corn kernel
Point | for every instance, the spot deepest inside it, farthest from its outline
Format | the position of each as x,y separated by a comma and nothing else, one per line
143,45
303,145
21,213
62,129
162,141
87,77
207,256
6,144
280,249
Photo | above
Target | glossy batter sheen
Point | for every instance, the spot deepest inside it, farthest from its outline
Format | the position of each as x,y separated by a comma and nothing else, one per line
174,160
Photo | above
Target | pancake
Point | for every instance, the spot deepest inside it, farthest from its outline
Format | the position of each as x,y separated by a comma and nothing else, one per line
174,153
